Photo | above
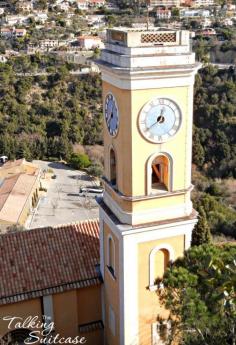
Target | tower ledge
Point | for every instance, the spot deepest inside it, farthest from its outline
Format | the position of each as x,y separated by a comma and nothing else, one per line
137,50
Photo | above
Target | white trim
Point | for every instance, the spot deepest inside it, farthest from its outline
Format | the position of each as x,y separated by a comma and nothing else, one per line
152,261
152,81
149,215
149,170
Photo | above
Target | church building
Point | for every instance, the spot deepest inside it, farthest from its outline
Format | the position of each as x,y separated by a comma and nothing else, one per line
146,216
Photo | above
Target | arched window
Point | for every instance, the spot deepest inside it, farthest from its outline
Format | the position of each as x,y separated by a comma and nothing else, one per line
112,167
111,256
160,173
160,256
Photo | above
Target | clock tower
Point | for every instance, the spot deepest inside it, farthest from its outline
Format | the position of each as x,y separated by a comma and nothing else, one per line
146,214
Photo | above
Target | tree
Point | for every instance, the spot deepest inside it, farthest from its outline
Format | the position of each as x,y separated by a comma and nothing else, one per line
201,232
200,293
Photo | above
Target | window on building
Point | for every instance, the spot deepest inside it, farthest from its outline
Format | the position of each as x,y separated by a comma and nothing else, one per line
159,258
111,256
160,174
113,167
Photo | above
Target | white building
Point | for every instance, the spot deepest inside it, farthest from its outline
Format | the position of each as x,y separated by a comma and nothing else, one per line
163,13
165,3
203,3
16,19
82,5
3,58
184,13
19,32
90,42
6,32
40,17
25,6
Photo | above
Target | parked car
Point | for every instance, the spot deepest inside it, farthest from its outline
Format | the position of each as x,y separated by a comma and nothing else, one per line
94,189
91,191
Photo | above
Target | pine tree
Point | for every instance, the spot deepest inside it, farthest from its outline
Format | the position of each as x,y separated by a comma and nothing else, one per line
201,233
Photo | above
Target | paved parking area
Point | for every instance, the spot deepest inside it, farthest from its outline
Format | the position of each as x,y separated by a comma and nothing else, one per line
63,204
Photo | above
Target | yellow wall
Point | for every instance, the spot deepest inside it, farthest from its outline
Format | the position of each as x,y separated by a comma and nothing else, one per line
20,309
133,151
149,306
124,172
142,149
65,313
111,289
71,309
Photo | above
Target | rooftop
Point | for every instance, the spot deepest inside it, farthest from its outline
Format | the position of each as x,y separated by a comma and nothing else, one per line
49,260
14,193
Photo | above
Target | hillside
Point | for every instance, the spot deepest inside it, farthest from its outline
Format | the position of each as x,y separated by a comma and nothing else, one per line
47,117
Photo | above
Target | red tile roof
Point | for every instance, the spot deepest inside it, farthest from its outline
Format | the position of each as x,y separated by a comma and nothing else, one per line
43,261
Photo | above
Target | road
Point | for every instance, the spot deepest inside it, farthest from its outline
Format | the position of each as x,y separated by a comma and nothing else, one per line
62,203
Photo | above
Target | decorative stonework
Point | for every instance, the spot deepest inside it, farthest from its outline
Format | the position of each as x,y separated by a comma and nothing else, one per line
158,37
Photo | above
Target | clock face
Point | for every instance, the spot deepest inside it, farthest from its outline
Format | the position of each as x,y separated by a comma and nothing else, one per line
159,120
111,115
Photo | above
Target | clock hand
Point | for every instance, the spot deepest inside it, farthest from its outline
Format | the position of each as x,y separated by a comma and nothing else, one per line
160,119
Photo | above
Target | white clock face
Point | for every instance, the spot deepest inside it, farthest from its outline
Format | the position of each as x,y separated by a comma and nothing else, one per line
159,120
111,115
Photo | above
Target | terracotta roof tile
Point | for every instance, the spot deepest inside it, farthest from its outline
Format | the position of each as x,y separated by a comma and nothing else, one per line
33,262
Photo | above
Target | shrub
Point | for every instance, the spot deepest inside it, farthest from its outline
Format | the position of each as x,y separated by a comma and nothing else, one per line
79,161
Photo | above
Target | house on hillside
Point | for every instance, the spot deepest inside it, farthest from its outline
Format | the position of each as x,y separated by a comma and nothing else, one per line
90,42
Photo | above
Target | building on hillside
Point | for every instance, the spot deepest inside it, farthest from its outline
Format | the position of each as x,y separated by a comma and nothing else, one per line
90,42
203,3
96,3
12,32
53,272
3,58
163,13
40,17
190,13
64,6
146,215
24,6
82,5
6,32
16,20
164,3
19,33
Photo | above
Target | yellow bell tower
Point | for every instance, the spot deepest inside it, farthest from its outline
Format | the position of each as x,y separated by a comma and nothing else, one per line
146,214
